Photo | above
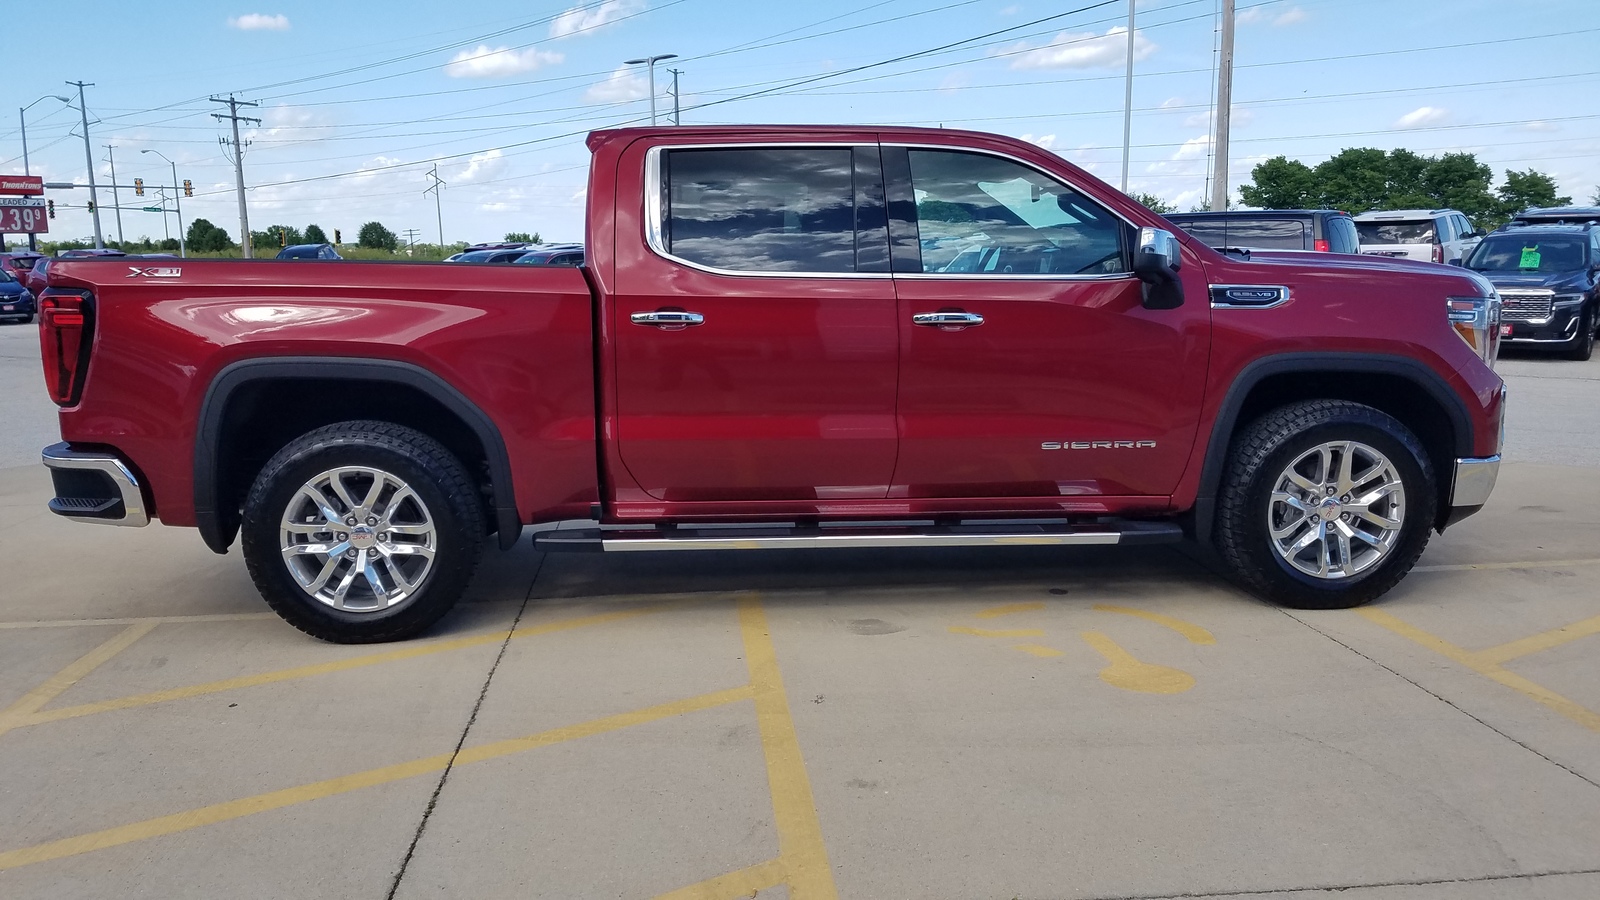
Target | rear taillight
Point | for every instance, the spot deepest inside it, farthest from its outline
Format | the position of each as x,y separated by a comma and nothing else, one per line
1438,253
1321,245
67,330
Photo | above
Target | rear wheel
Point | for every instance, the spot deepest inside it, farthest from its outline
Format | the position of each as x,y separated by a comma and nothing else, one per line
1582,346
1326,505
362,531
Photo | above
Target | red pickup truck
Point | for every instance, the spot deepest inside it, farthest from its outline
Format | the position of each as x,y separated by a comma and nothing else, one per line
783,337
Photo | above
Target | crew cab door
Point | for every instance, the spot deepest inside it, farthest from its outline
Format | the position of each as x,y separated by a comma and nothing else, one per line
1029,367
754,325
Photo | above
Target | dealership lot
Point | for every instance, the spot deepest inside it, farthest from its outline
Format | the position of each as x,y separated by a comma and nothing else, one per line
1030,722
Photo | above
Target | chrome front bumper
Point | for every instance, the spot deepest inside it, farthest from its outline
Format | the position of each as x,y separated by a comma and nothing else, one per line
94,487
1474,481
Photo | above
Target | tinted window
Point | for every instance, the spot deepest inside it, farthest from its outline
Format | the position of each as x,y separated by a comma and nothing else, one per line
978,214
1413,232
763,209
1261,234
1533,254
5,276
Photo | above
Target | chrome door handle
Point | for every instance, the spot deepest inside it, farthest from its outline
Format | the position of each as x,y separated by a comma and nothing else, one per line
954,320
670,320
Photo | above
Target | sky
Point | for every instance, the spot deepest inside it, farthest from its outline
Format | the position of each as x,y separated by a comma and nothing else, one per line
359,101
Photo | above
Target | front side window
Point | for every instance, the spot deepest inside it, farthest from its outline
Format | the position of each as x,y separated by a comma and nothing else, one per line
762,209
982,215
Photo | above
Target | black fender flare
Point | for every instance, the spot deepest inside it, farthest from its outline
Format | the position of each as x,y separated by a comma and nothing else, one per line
218,530
1254,373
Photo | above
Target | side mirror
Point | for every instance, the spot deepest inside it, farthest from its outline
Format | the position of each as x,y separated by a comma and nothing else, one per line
1156,260
1458,261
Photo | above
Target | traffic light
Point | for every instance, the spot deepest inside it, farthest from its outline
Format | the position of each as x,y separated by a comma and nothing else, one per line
51,205
188,188
336,238
138,187
91,206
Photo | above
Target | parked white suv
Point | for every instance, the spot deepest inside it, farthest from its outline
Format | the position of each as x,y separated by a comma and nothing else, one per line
1431,235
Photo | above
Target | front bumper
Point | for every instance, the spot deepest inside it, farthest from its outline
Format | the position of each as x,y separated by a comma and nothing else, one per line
94,486
22,306
1471,483
1559,328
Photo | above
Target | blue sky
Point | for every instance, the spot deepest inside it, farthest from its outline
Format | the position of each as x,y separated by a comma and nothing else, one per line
358,101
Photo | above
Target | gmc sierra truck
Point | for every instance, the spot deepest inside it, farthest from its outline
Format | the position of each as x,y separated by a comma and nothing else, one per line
783,337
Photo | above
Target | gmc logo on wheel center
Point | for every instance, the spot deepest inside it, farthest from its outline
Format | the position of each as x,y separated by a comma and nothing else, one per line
1097,445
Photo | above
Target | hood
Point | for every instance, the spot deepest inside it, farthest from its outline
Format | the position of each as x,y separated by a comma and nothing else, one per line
11,288
1556,281
1342,262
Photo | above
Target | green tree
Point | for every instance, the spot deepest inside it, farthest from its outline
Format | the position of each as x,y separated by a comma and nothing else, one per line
275,236
376,237
315,235
204,237
1282,183
1149,201
1525,189
522,237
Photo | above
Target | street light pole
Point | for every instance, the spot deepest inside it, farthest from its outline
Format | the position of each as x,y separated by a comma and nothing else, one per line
88,159
22,119
649,62
116,195
1127,103
177,198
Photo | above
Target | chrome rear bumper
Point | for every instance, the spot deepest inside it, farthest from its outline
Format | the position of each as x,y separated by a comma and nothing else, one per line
94,487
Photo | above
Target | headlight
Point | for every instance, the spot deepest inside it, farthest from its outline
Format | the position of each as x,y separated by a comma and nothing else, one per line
1477,320
1569,298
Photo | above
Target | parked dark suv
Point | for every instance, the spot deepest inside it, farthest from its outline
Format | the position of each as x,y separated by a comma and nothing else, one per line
1547,278
1322,230
1554,215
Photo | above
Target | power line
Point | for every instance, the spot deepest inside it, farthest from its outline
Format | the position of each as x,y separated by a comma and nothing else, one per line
234,118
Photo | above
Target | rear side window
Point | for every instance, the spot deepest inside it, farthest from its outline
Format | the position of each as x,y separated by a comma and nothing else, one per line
1413,232
774,209
1262,234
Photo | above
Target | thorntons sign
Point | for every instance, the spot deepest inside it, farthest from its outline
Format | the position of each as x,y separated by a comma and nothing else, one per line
21,184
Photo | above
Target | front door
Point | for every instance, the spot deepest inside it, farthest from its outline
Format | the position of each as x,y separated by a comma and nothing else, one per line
1029,367
755,335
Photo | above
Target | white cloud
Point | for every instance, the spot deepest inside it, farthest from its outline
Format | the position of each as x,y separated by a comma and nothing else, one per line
580,19
1069,50
620,86
1422,116
1011,10
1258,14
1290,16
259,22
1539,126
1193,148
498,62
1203,119
485,166
1045,141
1172,103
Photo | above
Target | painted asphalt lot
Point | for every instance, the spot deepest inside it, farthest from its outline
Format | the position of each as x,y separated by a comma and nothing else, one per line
1015,723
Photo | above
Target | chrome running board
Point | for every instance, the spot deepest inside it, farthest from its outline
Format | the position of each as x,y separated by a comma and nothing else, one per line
844,535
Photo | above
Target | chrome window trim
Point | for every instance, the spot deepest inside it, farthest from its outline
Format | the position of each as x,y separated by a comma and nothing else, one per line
1284,294
654,215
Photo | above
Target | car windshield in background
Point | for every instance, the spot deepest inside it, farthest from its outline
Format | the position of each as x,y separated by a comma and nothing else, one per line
1533,255
6,277
1265,234
1396,232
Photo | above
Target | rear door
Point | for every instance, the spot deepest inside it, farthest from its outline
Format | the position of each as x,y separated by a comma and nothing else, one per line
754,332
1029,367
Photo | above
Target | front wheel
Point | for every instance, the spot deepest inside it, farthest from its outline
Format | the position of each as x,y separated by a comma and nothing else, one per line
1582,346
362,531
1325,505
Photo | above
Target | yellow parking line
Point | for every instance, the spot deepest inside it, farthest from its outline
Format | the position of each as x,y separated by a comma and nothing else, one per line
1130,673
794,811
159,620
995,612
408,652
745,882
249,806
1544,640
1194,633
20,712
996,632
1483,666
1528,564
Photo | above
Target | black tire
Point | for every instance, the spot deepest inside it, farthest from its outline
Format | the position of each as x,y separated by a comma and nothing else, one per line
1582,345
441,484
1259,456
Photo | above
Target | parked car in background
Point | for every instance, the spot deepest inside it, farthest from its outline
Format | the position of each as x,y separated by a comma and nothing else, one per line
16,301
489,256
1437,235
19,262
553,255
1320,230
88,253
1555,215
1547,276
34,278
309,251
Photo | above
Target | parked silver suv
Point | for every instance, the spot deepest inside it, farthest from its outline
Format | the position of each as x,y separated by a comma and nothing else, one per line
1431,235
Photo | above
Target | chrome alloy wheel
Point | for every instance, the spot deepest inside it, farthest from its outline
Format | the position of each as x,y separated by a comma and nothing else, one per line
1336,511
358,539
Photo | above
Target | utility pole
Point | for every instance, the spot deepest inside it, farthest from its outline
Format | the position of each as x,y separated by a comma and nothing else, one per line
438,208
22,120
116,196
1219,181
238,161
1127,102
675,106
88,159
411,239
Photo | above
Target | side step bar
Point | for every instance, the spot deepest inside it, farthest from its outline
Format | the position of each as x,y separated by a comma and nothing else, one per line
766,537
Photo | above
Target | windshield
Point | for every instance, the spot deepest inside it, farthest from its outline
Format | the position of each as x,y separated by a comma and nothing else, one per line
5,277
1396,232
1529,254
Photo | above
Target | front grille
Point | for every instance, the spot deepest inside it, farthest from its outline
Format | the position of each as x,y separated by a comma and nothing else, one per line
1526,305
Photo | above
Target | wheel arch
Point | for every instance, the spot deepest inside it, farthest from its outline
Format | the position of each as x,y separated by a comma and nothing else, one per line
1400,386
230,420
